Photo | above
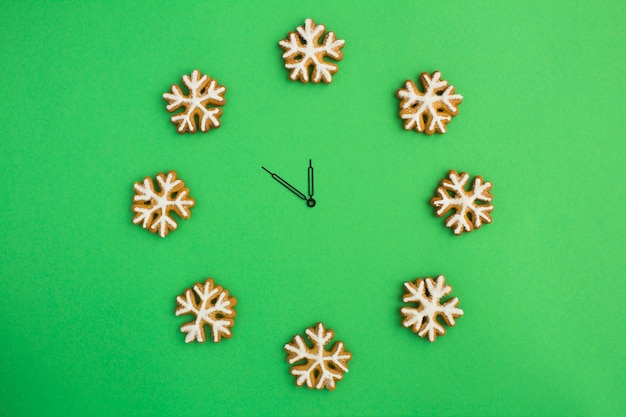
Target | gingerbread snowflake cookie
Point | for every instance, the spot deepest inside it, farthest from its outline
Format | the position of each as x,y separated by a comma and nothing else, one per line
431,110
469,206
210,305
312,364
304,53
428,295
153,207
198,103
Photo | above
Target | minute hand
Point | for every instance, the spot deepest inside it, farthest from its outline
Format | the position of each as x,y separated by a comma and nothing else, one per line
286,184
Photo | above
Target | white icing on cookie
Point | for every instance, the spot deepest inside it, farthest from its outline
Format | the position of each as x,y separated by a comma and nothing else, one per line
468,213
437,104
212,307
152,207
305,50
423,318
203,91
321,367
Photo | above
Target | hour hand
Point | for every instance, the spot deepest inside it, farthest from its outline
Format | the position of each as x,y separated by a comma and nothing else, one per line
310,202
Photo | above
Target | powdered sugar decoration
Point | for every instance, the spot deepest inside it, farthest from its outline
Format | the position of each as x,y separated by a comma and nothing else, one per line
211,305
303,49
423,318
319,368
203,91
468,213
431,110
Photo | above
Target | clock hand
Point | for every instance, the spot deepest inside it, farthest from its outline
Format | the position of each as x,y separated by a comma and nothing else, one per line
310,202
286,184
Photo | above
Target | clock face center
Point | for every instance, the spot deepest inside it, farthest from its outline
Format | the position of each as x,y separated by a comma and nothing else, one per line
310,202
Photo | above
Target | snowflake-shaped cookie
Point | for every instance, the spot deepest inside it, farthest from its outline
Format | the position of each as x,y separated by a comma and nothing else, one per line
303,50
203,92
152,208
313,365
431,110
468,213
423,318
211,305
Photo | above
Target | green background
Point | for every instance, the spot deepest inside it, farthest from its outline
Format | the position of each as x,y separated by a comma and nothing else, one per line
86,318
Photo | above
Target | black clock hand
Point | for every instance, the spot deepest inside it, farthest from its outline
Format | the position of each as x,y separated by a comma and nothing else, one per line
310,202
286,184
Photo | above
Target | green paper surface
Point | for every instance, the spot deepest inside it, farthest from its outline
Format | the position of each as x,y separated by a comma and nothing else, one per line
87,324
